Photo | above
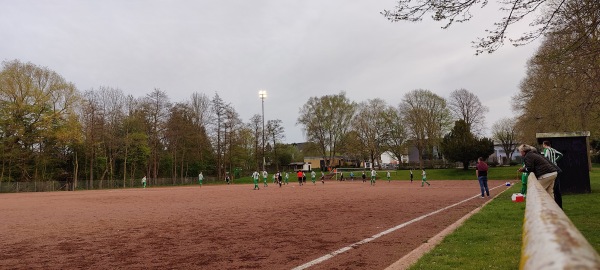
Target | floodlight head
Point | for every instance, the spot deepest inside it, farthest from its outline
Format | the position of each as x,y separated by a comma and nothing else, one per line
262,94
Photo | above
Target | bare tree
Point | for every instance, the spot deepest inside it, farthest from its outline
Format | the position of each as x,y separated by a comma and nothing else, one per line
451,11
276,134
219,108
200,105
369,124
427,118
505,132
395,130
232,126
466,106
562,88
157,106
255,126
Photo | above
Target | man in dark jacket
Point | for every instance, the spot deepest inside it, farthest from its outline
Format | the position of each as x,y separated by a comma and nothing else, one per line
542,168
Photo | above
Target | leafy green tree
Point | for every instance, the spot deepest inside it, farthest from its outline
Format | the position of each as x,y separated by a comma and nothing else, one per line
326,121
37,109
484,147
460,145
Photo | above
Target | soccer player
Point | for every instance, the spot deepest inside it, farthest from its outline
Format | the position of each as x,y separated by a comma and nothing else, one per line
322,177
265,177
388,176
255,177
411,175
313,176
200,178
287,177
364,177
144,181
352,176
300,174
373,176
424,178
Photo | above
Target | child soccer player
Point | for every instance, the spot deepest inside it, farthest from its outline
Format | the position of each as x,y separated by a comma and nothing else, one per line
265,177
388,176
144,181
373,176
200,178
424,179
255,177
313,176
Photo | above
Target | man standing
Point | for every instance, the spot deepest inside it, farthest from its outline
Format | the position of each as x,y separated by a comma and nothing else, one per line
255,176
553,156
200,178
481,173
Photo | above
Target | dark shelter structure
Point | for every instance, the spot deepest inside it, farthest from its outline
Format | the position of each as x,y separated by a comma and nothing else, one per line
575,163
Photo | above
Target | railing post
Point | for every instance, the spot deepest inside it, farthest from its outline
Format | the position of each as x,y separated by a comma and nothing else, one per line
550,240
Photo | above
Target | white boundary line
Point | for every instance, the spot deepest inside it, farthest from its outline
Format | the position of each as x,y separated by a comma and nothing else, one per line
388,231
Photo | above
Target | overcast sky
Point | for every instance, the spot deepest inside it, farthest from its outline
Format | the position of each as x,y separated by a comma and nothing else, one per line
293,49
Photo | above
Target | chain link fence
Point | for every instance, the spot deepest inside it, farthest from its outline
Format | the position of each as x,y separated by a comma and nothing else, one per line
45,186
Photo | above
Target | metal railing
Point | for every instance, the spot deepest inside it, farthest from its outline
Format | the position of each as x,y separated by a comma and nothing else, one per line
550,240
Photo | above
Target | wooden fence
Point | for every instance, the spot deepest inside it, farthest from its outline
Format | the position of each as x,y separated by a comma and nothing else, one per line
550,240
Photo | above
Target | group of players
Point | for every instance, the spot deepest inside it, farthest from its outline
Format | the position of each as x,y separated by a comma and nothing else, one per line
283,179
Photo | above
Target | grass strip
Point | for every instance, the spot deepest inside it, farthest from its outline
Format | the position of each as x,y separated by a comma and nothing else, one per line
491,239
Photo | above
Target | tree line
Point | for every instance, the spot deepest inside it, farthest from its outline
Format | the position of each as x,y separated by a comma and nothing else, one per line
51,131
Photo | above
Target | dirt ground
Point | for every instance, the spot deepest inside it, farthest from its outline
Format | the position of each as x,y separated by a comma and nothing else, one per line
227,227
